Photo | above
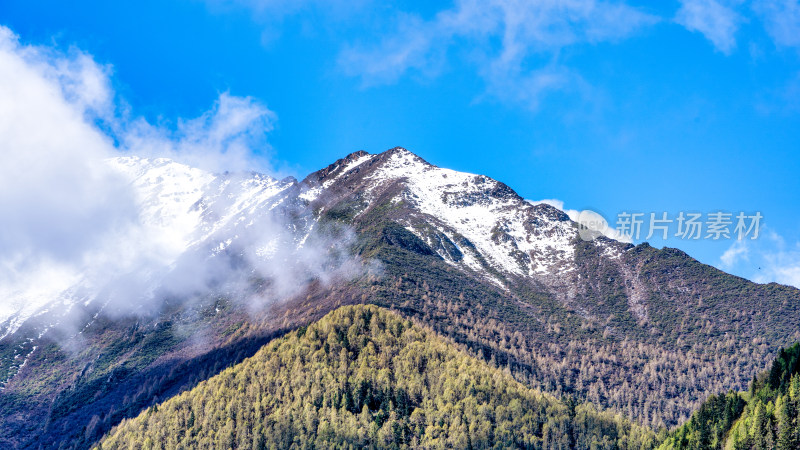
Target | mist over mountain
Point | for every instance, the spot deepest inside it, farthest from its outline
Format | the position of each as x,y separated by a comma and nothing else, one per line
244,258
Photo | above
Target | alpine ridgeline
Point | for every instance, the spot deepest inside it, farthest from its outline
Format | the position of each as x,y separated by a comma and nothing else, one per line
645,332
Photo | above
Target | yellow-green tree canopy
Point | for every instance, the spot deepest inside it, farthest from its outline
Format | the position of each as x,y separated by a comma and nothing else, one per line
364,377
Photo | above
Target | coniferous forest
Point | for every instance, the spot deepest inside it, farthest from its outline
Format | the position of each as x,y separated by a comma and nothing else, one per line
764,417
365,377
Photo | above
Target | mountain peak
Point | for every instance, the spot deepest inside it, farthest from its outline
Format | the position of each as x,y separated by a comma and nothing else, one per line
399,151
397,157
403,154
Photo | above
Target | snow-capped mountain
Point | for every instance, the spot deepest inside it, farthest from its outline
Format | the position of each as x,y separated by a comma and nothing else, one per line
471,221
495,227
213,265
188,215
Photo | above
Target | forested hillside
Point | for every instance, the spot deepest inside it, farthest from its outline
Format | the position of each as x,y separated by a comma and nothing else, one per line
765,417
365,377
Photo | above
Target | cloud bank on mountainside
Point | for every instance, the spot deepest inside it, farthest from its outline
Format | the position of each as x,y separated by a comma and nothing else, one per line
76,228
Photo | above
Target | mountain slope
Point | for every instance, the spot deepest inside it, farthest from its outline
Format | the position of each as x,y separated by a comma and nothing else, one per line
645,332
364,377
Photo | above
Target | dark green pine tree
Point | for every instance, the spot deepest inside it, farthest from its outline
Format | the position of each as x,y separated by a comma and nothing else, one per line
758,430
784,415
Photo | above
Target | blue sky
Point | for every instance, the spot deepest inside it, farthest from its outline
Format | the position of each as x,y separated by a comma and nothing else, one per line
609,106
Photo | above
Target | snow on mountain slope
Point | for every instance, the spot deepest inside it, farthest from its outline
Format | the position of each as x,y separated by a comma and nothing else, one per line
469,220
166,192
185,216
191,222
487,213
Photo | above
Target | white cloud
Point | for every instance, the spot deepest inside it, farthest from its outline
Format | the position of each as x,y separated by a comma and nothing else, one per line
783,268
513,84
515,43
271,14
71,220
57,196
720,20
738,251
286,7
716,21
408,48
781,20
779,262
591,223
48,141
766,259
231,136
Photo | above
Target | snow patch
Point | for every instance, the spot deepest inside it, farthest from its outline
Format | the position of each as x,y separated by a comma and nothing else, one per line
498,223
